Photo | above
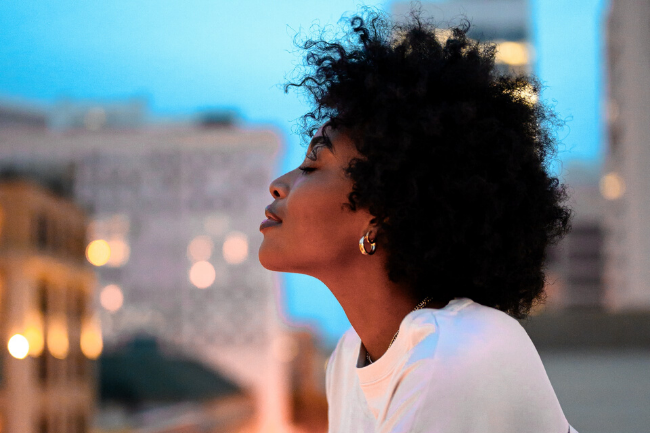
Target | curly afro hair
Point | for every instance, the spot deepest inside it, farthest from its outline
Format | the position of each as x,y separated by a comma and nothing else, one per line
455,156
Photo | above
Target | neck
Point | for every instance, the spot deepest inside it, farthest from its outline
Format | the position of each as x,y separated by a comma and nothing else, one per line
374,305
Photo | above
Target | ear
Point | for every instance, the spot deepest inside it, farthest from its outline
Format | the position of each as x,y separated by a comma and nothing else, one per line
373,229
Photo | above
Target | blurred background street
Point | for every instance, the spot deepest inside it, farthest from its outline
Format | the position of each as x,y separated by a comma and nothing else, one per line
137,144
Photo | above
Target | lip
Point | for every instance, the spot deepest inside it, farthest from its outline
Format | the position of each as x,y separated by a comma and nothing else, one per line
271,215
269,223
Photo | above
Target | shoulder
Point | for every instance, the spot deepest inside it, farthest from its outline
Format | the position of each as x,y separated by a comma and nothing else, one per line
472,329
481,352
478,362
467,346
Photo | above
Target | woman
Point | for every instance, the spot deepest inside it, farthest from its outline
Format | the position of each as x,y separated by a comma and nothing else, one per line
425,205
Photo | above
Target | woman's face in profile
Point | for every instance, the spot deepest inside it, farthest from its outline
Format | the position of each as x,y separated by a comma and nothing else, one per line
317,233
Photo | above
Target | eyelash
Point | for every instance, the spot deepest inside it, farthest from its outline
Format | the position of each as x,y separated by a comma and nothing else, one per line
306,170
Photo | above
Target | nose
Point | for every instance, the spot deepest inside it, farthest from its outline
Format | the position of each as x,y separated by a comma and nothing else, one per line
279,187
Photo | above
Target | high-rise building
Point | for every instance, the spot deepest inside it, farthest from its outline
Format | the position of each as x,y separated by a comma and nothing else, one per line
574,267
46,320
626,180
174,232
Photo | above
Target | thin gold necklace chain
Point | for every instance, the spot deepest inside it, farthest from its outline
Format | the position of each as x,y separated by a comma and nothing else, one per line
417,307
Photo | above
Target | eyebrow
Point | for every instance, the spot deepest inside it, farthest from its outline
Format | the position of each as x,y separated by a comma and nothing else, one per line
313,144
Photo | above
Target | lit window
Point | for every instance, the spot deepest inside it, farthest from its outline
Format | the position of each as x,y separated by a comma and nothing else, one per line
512,53
612,186
91,339
57,337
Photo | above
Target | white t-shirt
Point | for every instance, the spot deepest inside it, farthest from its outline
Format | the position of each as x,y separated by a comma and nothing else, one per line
465,368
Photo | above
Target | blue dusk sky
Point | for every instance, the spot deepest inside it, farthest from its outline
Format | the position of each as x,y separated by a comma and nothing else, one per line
192,55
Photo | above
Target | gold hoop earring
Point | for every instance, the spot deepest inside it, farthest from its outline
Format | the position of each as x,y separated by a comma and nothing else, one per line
362,247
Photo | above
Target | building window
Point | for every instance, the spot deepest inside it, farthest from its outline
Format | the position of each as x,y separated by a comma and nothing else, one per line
41,365
78,307
58,236
81,364
41,232
79,245
43,304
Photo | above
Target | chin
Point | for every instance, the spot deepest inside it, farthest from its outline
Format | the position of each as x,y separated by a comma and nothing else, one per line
275,260
269,260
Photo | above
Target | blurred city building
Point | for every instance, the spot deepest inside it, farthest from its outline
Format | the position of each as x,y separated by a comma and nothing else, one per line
574,266
626,179
309,401
174,230
47,383
146,386
504,22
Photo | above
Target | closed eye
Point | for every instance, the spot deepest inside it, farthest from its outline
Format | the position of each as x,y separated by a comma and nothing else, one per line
306,170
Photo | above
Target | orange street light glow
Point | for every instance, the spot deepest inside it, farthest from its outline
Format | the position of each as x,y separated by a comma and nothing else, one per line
34,333
57,338
98,252
18,346
91,339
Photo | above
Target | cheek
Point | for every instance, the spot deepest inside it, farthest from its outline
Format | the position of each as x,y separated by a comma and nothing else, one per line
316,210
317,230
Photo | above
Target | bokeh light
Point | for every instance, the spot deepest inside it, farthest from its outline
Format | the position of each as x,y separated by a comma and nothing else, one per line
235,248
119,252
202,274
57,337
91,339
612,186
34,333
18,346
512,53
111,298
200,248
98,252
